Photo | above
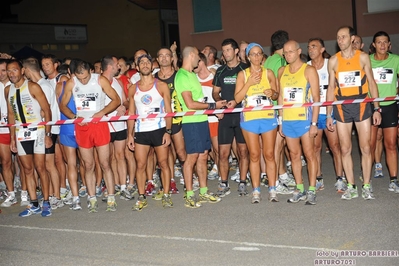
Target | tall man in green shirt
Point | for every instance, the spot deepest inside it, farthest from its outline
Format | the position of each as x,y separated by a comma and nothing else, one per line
195,128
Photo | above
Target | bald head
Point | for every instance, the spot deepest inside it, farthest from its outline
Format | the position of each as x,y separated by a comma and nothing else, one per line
291,44
291,51
187,50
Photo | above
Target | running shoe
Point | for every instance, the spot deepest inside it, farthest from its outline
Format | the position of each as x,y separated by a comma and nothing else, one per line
255,197
158,195
10,200
303,161
177,172
393,185
297,196
283,189
264,181
181,180
17,183
46,209
167,201
68,198
111,204
378,171
289,167
83,192
236,175
223,190
242,189
310,198
30,210
140,204
55,203
213,174
150,189
340,185
76,205
192,202
117,190
132,189
93,205
288,182
350,193
173,187
99,192
209,197
367,194
273,195
196,184
319,183
24,198
125,194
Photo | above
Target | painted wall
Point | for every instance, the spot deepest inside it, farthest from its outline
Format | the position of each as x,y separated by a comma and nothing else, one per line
256,20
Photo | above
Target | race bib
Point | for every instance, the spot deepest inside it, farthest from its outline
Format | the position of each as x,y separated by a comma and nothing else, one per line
349,79
258,100
293,95
86,104
383,75
25,134
149,111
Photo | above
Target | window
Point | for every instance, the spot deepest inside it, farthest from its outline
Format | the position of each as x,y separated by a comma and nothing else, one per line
71,47
207,15
49,47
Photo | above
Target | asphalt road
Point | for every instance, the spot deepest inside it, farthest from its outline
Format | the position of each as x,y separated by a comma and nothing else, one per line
232,232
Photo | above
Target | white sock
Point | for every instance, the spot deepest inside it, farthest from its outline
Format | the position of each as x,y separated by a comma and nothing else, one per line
123,187
63,190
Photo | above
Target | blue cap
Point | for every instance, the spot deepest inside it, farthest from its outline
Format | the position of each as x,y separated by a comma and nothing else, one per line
144,56
252,45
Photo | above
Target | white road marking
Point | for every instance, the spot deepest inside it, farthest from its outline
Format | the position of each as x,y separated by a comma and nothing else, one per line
246,249
189,239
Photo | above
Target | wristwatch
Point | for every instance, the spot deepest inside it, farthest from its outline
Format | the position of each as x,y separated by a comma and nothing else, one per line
314,124
169,131
378,109
48,134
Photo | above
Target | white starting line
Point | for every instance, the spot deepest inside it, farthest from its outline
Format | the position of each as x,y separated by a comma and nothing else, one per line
248,246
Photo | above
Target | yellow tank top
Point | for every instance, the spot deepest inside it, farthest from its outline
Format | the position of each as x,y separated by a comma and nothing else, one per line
255,97
295,89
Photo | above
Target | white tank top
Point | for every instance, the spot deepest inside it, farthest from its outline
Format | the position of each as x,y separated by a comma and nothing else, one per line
50,95
121,125
323,82
3,109
89,98
149,102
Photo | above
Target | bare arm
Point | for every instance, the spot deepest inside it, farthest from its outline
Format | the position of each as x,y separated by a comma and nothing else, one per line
332,64
111,93
165,93
65,100
37,93
365,61
173,48
273,92
216,93
280,99
131,122
313,79
11,120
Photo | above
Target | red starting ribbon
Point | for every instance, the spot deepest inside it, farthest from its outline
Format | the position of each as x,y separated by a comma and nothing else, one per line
203,112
